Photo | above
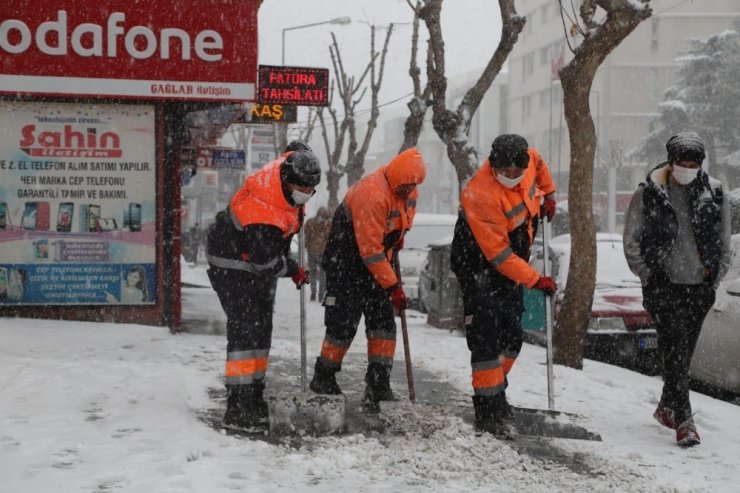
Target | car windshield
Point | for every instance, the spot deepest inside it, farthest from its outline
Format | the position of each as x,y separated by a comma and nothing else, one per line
421,235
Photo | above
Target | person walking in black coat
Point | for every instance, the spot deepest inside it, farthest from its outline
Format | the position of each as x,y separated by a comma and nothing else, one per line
677,241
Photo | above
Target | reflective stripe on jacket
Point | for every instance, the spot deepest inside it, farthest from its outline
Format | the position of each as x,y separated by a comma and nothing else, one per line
259,222
493,211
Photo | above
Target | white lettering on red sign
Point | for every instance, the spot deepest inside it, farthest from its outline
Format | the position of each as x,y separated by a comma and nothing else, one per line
87,39
70,142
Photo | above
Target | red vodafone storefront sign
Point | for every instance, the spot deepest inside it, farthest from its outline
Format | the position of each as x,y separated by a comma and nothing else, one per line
154,49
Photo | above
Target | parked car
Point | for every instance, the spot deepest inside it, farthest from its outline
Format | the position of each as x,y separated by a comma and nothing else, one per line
620,330
427,229
716,361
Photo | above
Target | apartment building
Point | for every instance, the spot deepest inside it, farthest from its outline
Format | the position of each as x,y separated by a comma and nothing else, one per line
627,89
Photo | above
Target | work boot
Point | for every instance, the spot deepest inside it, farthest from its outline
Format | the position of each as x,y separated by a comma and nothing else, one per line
665,416
489,416
686,434
506,410
324,380
246,409
377,387
260,404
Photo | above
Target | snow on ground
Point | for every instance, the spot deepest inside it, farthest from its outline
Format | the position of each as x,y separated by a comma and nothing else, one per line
106,407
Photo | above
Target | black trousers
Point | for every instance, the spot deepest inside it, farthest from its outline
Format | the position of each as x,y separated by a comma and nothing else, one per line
346,301
493,324
678,311
248,301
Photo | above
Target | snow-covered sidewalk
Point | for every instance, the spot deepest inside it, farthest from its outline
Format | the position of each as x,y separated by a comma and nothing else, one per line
104,407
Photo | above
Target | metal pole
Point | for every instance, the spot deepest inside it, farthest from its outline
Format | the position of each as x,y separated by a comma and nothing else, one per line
549,132
405,333
304,371
548,316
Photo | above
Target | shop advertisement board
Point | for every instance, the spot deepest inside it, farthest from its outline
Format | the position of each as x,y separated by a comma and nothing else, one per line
153,49
261,147
297,86
77,204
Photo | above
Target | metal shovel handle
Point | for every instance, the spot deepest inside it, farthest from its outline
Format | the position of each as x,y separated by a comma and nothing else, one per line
405,334
304,364
548,315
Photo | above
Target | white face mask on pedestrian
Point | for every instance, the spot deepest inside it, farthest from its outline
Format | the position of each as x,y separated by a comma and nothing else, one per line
509,182
300,198
683,175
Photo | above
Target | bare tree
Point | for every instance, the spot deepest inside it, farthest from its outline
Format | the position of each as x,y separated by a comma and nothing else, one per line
351,91
453,127
599,39
356,157
302,131
420,101
333,155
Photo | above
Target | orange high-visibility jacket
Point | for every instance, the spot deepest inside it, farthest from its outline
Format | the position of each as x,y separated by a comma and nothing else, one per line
254,233
261,201
492,211
376,213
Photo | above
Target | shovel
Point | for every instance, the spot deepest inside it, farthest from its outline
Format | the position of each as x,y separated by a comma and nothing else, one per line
303,414
405,333
548,316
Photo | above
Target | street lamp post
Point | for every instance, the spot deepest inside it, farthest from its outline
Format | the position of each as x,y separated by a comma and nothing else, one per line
338,20
282,128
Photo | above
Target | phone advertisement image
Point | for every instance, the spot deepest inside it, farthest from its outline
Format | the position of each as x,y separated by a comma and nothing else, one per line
78,197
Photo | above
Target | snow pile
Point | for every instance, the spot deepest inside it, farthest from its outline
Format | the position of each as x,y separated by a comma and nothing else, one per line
103,407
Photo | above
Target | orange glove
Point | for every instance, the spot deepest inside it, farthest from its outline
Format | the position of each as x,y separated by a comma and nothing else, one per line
398,297
546,284
300,277
548,208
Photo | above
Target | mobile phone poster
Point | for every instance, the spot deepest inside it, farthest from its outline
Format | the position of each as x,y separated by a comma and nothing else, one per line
77,204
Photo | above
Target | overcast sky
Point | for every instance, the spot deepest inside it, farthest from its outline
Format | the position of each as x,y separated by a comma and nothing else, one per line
471,29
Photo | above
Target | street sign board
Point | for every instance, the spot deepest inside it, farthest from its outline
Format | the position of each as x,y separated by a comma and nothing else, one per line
271,113
229,158
299,86
150,49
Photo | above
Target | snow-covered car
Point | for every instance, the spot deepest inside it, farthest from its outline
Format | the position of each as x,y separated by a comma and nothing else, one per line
427,229
716,359
620,329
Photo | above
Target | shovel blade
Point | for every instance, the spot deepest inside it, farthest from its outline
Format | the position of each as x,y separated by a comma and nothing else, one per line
307,415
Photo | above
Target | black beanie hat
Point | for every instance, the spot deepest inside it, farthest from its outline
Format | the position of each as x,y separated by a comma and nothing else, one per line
301,168
297,145
685,146
509,150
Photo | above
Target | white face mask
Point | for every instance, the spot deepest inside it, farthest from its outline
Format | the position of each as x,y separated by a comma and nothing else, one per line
509,182
684,176
300,198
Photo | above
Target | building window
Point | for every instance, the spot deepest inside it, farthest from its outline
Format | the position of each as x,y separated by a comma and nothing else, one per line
544,99
546,13
527,65
544,56
526,107
654,32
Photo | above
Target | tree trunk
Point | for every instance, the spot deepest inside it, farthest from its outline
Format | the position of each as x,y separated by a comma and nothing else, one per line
622,17
332,186
574,314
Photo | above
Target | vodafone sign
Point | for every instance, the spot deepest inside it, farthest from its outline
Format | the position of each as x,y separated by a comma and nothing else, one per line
153,49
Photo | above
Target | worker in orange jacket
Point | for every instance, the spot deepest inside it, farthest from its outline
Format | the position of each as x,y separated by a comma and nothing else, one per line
248,250
499,210
367,228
